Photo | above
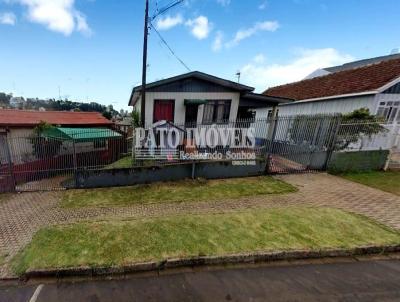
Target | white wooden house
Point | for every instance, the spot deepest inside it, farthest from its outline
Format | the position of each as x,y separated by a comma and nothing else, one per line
372,84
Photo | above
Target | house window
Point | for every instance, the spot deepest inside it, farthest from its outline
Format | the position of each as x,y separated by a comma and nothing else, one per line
216,111
270,113
164,110
389,111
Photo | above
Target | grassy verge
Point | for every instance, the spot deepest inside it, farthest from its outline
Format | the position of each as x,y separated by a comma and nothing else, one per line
385,181
125,162
121,242
189,190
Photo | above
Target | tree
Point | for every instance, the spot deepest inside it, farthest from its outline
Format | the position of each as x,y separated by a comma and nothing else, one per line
135,115
5,98
44,147
107,114
357,124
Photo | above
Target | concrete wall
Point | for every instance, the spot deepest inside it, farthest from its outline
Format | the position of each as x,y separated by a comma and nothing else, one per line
360,161
143,175
180,108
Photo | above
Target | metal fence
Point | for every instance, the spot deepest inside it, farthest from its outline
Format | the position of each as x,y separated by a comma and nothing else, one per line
286,144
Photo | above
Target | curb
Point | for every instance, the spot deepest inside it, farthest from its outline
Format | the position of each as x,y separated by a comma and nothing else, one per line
249,258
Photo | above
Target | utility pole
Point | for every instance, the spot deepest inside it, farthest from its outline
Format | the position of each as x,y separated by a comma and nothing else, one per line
144,71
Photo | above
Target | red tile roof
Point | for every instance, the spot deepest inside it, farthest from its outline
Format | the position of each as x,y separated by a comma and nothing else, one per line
23,118
357,80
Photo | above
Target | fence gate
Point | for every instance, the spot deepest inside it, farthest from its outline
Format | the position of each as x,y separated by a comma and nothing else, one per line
301,143
40,164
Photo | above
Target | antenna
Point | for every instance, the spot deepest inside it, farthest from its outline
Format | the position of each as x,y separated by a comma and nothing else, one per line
238,74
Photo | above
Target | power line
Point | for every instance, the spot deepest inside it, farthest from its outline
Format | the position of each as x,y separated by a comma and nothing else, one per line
169,48
166,8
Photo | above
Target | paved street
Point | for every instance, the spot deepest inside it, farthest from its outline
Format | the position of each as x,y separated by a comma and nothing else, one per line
351,281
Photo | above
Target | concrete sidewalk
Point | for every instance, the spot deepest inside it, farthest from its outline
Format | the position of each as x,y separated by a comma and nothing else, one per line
347,281
24,214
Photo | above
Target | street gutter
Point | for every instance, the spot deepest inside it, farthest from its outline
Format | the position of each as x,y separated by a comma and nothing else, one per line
201,261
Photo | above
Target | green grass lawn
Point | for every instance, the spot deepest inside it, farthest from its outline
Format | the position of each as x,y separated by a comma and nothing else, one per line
188,190
385,181
125,162
121,242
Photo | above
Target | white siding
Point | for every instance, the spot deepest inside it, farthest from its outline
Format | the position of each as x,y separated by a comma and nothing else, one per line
180,108
340,105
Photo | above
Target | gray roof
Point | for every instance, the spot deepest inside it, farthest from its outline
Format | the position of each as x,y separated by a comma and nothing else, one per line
201,76
362,63
194,74
245,91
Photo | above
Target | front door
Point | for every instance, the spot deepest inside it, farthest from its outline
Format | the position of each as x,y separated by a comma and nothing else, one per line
164,110
191,115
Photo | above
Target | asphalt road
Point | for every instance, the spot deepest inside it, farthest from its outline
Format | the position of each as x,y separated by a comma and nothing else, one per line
352,281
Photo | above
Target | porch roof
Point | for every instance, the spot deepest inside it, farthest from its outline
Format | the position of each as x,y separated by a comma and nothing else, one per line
80,134
256,100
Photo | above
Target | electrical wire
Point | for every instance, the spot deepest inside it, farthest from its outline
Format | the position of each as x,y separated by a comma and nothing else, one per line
169,47
165,9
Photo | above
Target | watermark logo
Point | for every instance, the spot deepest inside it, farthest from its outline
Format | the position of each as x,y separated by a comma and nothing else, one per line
211,142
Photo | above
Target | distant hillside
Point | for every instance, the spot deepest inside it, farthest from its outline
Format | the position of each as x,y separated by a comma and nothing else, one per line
59,105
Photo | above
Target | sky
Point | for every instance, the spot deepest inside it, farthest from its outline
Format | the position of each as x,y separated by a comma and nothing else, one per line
91,50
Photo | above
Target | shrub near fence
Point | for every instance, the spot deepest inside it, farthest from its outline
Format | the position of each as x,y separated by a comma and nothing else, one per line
358,161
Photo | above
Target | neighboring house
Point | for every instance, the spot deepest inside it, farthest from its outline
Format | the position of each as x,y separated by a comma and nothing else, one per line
16,102
197,98
124,125
90,130
374,86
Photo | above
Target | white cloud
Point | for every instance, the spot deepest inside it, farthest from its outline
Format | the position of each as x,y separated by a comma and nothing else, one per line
224,2
81,24
248,32
218,41
57,15
263,5
262,75
169,22
200,27
259,59
8,18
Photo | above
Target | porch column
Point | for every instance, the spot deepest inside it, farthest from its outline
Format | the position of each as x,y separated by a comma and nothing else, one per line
272,123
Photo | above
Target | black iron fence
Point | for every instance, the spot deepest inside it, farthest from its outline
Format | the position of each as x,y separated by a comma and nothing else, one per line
55,159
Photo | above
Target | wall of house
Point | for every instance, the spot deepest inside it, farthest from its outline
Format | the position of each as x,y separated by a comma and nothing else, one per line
180,108
340,105
19,144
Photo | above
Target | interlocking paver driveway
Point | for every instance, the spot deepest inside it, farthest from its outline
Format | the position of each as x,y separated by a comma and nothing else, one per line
23,214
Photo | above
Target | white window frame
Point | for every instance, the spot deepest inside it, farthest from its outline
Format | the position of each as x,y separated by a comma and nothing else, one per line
389,110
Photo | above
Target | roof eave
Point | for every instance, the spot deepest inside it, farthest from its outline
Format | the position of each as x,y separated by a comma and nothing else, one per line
372,92
195,74
267,98
390,84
